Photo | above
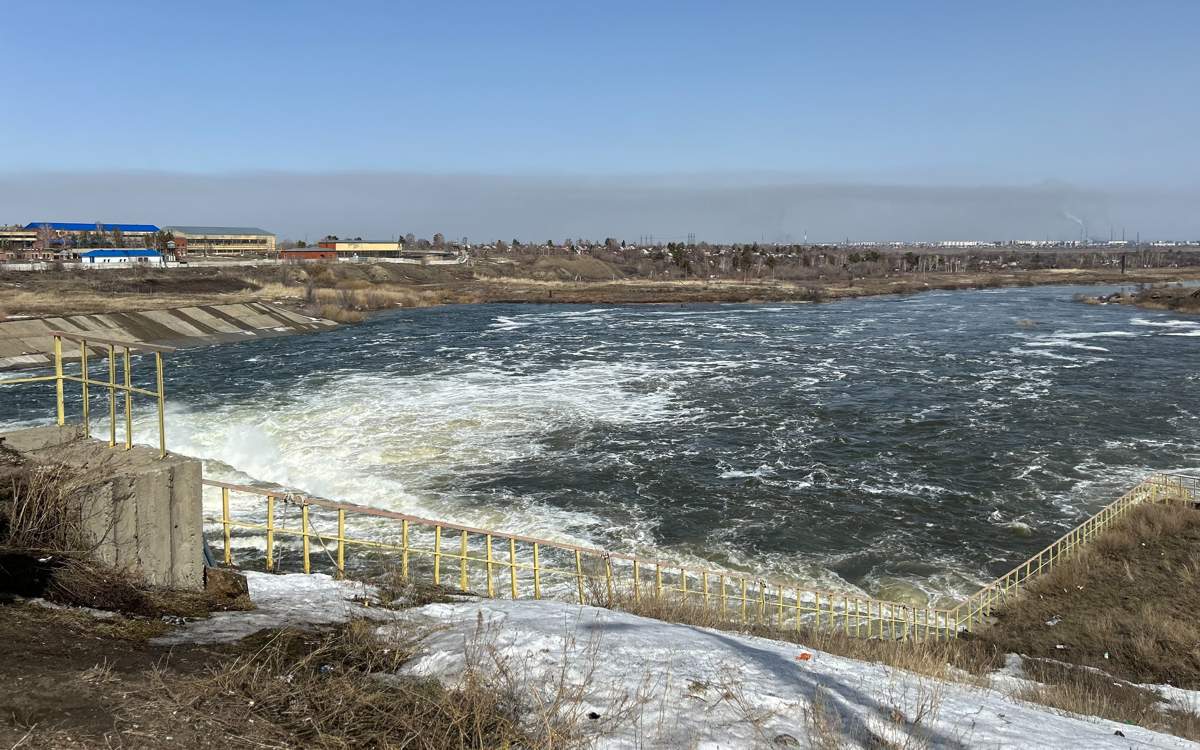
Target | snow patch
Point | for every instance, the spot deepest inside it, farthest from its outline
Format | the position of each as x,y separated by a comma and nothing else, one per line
694,687
292,600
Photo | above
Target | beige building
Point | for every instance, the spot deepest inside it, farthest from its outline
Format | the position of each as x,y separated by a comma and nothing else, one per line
222,240
17,243
364,248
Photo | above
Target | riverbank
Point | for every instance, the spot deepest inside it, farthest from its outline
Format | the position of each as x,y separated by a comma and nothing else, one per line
27,342
347,292
1178,299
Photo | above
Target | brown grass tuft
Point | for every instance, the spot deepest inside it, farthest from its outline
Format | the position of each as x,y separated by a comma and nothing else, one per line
39,510
339,690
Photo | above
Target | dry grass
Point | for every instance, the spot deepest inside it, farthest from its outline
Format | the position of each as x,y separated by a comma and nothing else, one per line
39,510
339,690
1124,605
942,659
46,551
1088,692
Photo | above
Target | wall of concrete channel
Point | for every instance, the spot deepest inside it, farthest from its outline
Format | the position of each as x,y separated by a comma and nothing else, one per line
142,512
27,343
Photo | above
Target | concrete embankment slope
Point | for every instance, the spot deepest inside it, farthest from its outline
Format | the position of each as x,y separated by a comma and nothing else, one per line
28,343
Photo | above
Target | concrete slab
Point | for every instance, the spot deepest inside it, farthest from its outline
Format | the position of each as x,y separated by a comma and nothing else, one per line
210,320
167,320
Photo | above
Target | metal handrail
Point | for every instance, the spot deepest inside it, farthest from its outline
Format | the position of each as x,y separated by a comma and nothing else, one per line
1160,487
85,341
606,578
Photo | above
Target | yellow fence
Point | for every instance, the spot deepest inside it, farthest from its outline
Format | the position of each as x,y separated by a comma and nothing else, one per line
1159,488
311,534
114,352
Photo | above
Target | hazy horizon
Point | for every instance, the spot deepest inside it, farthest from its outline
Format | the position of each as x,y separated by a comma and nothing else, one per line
761,121
715,208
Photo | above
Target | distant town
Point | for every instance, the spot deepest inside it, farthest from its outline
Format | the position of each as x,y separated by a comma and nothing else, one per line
42,245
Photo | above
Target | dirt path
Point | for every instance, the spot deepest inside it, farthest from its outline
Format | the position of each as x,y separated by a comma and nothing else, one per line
70,680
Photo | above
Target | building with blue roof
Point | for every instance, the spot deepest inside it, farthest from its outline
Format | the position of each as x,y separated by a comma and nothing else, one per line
120,256
92,226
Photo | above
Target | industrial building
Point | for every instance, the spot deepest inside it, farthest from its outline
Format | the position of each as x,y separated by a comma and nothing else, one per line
16,243
190,240
50,234
307,253
364,249
119,256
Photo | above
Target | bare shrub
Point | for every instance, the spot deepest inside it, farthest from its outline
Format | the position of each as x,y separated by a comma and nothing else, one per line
42,512
341,314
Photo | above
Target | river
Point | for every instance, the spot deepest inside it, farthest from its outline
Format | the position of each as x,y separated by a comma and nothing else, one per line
882,444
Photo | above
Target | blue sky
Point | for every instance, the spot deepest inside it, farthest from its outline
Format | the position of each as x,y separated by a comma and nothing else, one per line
1097,95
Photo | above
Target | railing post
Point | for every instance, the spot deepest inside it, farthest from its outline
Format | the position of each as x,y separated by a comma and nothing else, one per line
270,532
491,589
704,586
683,591
341,540
225,520
637,584
537,573
112,396
162,406
608,579
743,600
304,538
464,582
658,587
58,379
128,403
83,372
723,602
404,549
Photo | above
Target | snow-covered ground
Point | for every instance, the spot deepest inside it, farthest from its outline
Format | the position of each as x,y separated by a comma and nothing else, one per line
677,686
634,682
281,601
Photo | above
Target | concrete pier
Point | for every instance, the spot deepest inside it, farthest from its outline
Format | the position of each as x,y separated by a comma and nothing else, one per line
142,512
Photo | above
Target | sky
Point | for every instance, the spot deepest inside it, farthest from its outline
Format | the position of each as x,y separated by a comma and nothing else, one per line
733,121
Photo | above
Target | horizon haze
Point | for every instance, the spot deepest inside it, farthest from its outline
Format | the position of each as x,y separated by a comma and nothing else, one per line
773,121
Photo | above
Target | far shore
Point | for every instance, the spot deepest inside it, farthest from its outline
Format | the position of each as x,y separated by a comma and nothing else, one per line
351,293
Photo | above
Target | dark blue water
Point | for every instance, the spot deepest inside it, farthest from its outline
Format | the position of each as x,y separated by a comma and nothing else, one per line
885,443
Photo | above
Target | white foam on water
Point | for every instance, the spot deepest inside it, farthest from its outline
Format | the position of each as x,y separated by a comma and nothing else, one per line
1165,323
395,441
503,323
761,471
1189,333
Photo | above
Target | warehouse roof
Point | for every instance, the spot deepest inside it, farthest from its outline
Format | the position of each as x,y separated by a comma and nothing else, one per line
89,226
220,230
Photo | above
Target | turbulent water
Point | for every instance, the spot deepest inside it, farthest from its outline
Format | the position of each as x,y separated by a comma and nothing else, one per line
931,440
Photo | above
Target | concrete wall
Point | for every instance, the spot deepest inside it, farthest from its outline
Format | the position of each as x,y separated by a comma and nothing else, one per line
143,512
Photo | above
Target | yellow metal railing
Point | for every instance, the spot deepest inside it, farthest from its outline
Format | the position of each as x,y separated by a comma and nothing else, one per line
314,534
1159,488
114,351
468,559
